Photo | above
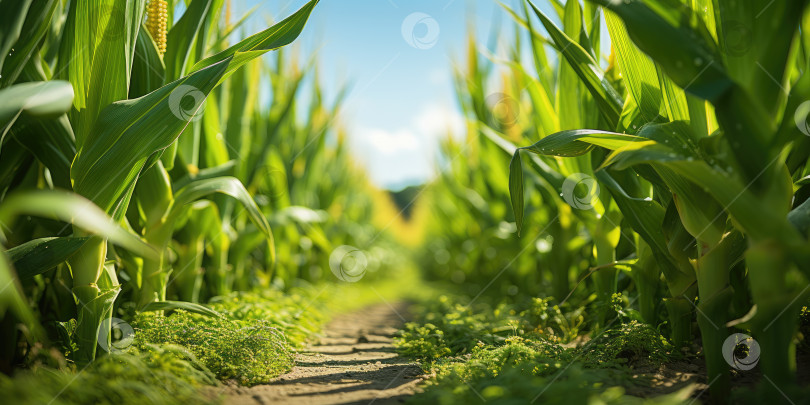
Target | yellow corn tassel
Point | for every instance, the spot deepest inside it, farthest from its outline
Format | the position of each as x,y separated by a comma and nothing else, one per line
156,20
227,14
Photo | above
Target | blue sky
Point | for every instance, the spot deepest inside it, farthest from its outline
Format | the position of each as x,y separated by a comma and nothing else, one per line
401,99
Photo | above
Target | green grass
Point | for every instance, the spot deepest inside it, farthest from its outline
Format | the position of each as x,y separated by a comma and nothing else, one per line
503,352
514,385
173,356
164,374
250,352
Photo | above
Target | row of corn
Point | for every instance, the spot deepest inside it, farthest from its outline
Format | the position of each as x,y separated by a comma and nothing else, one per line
142,168
672,167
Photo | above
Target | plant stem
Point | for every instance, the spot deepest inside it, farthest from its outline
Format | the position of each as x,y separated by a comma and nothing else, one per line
86,266
680,320
778,298
712,273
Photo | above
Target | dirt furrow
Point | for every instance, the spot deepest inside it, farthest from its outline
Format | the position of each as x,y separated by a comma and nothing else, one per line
354,363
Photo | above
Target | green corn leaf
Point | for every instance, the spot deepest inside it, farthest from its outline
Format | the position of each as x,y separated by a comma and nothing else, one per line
185,306
799,217
106,167
36,25
757,37
40,255
201,219
302,215
52,142
700,214
224,185
12,298
11,24
637,69
544,114
205,43
670,33
678,40
72,208
631,119
669,141
548,180
646,217
242,96
36,99
181,37
675,101
794,123
96,54
516,189
108,163
222,35
571,103
729,192
246,241
148,71
544,172
255,45
230,186
216,151
740,201
541,64
593,28
578,142
608,100
576,27
641,153
225,169
15,160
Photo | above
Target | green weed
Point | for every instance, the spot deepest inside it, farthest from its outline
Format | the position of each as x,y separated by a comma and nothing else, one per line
164,374
250,352
543,346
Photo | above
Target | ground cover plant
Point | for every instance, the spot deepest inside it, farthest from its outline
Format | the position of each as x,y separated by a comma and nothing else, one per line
160,374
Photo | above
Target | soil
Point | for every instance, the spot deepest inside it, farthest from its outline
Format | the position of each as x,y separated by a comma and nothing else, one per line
354,363
668,378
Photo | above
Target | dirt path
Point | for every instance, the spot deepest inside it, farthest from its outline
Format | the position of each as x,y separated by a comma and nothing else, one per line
355,363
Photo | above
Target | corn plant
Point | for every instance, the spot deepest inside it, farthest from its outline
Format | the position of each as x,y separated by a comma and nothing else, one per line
698,137
202,191
121,66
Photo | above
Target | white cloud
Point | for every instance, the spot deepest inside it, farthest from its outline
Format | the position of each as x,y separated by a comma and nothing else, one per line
389,143
432,123
439,120
407,153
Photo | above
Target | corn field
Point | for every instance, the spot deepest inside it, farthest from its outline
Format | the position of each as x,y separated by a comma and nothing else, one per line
625,217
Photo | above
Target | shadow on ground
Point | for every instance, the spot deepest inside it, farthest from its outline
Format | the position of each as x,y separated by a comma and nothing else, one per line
355,363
